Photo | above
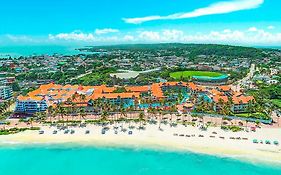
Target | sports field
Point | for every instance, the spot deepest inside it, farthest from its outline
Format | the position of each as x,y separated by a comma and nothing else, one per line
186,74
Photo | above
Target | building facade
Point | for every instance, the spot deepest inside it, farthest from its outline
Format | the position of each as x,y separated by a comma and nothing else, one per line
6,92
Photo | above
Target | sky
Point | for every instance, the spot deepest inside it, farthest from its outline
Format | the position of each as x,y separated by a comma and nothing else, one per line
99,22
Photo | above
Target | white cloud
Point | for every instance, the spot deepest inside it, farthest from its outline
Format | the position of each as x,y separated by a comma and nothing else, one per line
106,31
129,38
248,36
19,38
226,31
252,29
222,7
270,27
227,36
76,36
149,36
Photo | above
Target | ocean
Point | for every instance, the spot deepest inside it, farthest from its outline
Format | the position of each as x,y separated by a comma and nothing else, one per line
17,51
74,160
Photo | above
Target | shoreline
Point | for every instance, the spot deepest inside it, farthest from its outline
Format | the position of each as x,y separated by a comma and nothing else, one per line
154,139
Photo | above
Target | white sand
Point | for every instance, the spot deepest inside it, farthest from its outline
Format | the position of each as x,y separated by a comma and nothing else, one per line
152,137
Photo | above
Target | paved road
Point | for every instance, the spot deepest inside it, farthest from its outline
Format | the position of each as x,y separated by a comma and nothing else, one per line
82,75
245,79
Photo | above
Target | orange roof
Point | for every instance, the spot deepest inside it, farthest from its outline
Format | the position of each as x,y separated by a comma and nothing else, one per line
27,98
225,88
217,98
215,92
116,95
104,89
137,88
156,90
242,99
192,86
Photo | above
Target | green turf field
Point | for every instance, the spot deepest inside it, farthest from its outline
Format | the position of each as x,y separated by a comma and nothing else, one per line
185,74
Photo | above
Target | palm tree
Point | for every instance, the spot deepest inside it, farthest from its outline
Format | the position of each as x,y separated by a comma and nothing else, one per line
104,116
141,118
82,113
50,112
30,120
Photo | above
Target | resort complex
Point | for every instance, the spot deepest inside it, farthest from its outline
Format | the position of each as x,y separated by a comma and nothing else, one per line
181,96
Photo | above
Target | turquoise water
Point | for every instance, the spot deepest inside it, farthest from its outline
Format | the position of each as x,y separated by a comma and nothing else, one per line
16,51
120,161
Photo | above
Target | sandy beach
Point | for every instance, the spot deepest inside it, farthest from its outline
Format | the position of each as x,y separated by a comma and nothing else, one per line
180,138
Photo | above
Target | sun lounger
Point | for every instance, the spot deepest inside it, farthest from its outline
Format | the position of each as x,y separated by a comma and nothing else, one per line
255,141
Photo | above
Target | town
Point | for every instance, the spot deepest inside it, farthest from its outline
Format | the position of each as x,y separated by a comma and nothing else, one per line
142,79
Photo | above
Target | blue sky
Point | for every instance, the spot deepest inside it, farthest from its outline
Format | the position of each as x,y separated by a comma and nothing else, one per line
242,22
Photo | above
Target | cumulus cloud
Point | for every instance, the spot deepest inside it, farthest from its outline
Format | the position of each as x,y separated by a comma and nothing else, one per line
19,38
77,36
129,38
270,27
222,7
251,36
252,29
105,31
247,36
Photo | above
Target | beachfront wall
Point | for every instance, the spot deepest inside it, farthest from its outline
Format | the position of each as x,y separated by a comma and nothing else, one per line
249,119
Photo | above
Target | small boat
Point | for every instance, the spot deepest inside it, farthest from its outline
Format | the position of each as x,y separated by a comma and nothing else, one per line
276,143
87,132
66,131
55,132
201,136
267,142
41,132
130,132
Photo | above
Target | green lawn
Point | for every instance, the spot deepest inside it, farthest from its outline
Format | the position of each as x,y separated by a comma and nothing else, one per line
277,102
253,115
187,74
